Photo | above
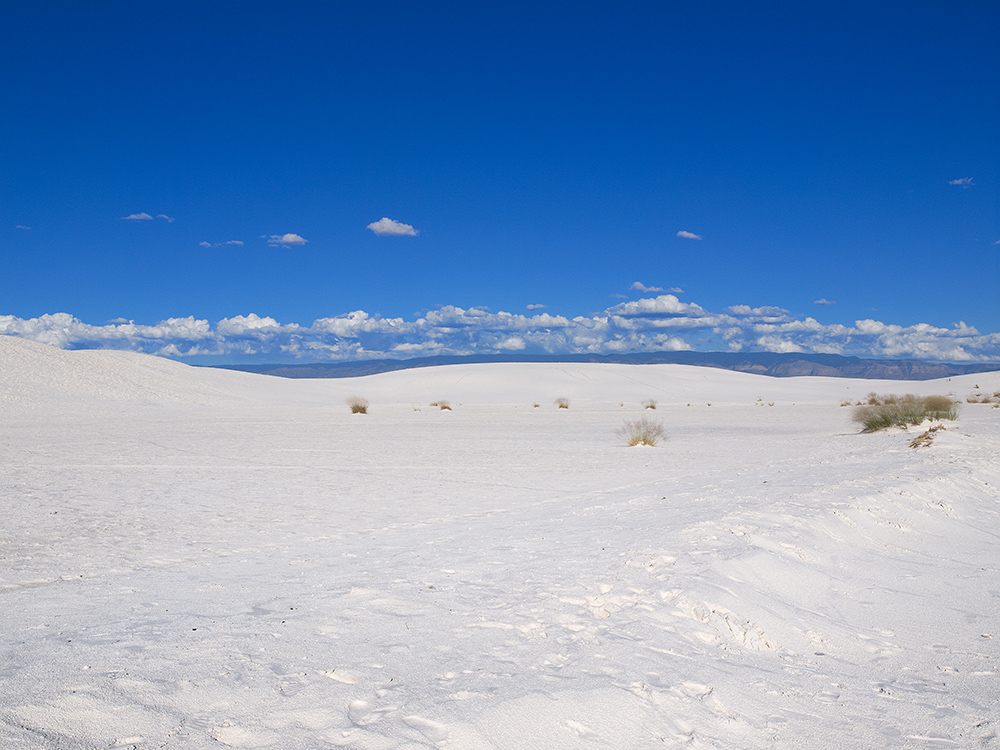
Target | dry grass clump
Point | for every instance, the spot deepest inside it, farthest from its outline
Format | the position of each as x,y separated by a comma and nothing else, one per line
358,405
649,403
642,431
562,402
925,438
883,412
442,405
984,398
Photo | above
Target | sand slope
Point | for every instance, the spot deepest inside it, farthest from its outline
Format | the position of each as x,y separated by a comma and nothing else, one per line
196,558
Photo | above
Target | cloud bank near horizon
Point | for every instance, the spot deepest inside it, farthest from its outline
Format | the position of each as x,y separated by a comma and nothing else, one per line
661,323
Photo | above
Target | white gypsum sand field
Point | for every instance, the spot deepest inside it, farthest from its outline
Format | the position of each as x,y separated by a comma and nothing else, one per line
197,558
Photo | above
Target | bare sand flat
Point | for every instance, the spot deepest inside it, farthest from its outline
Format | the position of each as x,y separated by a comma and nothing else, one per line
195,558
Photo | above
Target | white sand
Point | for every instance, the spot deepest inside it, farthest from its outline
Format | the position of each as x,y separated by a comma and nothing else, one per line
194,558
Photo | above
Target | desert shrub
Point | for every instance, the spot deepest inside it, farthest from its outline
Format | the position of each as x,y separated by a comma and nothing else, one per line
442,405
940,407
642,431
562,402
649,403
984,398
358,405
883,412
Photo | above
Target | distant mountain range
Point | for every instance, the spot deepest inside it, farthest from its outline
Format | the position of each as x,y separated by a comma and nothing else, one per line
761,363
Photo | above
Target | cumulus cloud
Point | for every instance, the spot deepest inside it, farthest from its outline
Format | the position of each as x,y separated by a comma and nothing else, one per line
536,307
640,287
511,344
285,240
662,323
243,324
757,312
675,290
664,304
689,235
387,227
964,182
824,302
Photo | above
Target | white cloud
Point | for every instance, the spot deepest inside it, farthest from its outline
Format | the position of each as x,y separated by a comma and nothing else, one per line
965,182
21,226
665,304
536,307
757,312
675,290
689,235
221,244
778,345
387,227
640,287
652,324
285,240
511,344
242,324
146,217
824,302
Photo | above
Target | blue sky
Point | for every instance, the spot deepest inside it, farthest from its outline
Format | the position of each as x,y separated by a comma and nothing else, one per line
581,177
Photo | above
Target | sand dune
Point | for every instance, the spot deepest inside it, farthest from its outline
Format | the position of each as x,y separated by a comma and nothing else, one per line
195,558
37,374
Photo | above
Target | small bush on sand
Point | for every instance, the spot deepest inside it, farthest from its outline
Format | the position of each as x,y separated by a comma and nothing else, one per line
940,407
442,405
649,403
984,398
358,405
883,412
562,402
642,431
